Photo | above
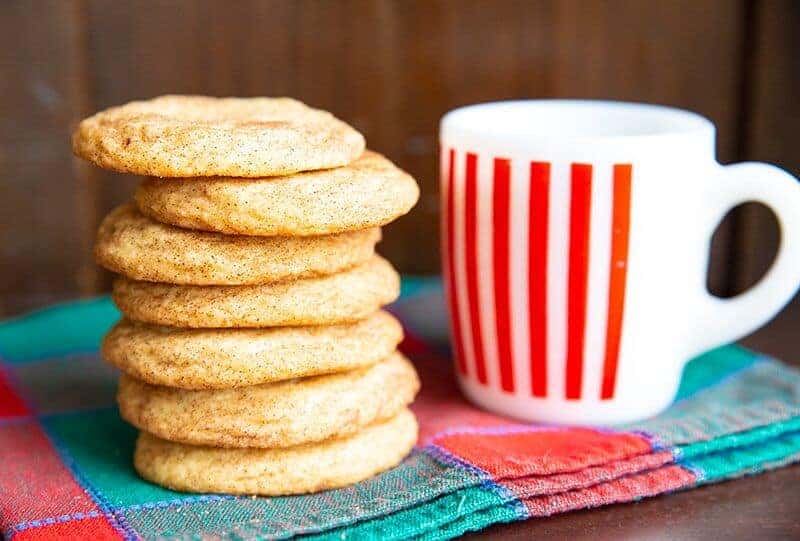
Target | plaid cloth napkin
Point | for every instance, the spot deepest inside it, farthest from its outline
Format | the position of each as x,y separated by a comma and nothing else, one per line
65,455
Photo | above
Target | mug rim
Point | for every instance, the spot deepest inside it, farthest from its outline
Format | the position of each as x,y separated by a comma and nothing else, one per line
503,120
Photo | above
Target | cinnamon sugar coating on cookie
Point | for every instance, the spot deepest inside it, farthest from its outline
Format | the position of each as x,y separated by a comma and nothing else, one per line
301,469
187,136
220,358
344,297
280,414
369,192
132,244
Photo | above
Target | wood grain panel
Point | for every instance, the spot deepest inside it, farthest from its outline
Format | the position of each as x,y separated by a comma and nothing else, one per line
390,68
771,125
46,208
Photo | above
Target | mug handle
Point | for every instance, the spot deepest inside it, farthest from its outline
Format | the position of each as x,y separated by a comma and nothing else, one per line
725,320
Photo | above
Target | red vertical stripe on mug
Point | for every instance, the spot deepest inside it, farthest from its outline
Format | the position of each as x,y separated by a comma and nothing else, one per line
538,217
501,222
578,274
471,250
452,288
620,227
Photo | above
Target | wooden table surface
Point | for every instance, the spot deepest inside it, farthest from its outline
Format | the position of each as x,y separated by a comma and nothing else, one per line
762,507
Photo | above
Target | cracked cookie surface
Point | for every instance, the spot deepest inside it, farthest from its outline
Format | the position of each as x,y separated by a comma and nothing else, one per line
188,136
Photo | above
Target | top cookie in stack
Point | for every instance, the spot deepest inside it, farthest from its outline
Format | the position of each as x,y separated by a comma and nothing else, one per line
188,136
250,265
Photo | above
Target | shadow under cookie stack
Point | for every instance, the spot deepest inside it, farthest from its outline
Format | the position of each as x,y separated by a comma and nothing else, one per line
256,358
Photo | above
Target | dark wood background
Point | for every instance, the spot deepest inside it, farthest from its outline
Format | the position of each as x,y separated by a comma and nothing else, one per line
391,69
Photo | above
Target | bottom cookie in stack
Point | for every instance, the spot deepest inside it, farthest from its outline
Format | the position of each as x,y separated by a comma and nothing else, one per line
300,469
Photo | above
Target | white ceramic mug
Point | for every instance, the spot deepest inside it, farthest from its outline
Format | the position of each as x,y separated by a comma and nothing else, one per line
576,238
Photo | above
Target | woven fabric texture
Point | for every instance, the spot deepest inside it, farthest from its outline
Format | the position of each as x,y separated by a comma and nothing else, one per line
66,456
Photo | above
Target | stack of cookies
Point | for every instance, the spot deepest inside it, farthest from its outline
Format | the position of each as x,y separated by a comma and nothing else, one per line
256,358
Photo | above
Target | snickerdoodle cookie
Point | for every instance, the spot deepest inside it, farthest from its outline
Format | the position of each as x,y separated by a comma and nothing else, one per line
281,414
219,358
294,470
132,244
337,298
369,192
187,136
